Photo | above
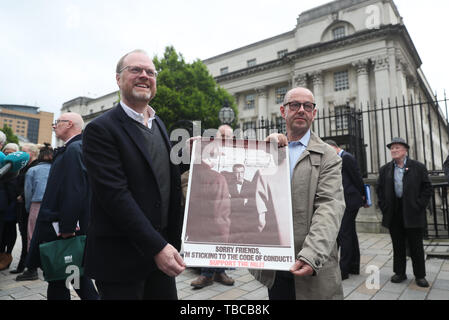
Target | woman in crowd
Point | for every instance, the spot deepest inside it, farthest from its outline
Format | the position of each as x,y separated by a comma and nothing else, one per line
8,202
22,214
35,184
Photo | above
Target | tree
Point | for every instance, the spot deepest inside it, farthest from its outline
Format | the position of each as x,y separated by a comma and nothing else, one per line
187,91
10,136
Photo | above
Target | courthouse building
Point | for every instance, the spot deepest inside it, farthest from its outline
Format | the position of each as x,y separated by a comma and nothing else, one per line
364,70
362,66
355,55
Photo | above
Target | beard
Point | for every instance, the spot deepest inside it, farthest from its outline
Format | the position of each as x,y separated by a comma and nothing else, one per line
137,96
142,96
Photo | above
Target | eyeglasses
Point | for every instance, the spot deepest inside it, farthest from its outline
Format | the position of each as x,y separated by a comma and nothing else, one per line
138,70
295,106
58,121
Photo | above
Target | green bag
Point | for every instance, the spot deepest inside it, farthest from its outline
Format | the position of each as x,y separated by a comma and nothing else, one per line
57,255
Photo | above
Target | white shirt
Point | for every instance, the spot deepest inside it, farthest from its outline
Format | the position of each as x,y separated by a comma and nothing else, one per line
139,117
239,187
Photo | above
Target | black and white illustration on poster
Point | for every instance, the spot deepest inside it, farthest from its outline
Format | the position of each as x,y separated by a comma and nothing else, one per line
238,207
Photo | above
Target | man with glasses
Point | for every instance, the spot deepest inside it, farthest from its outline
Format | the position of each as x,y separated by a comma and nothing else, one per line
318,207
135,232
66,201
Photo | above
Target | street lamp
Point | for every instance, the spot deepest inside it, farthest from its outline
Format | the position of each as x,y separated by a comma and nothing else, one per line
226,114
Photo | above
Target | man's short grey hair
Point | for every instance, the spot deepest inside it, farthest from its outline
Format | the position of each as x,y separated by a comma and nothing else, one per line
120,62
332,143
2,138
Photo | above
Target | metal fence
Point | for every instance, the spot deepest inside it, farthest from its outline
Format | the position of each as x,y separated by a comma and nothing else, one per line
365,130
438,217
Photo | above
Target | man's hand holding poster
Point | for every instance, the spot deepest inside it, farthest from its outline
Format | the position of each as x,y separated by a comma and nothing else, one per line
238,212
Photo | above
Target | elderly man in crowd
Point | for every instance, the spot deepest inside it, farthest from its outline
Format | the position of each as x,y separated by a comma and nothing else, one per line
404,191
66,201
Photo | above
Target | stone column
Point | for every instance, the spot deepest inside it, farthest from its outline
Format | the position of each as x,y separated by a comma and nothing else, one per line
262,95
382,81
239,121
405,119
368,219
402,71
361,67
414,110
318,92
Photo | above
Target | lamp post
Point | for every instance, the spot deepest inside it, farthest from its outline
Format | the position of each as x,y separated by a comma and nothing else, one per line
226,114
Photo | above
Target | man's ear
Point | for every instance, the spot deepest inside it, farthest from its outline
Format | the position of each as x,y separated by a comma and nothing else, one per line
282,109
314,113
117,78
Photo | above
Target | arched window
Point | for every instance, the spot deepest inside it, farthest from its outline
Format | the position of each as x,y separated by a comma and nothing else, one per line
339,32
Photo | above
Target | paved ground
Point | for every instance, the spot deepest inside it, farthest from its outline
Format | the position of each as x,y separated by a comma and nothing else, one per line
375,249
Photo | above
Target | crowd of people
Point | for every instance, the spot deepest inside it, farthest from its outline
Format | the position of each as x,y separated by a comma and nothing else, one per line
114,182
20,199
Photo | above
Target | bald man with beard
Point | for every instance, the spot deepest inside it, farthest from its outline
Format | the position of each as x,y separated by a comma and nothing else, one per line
66,201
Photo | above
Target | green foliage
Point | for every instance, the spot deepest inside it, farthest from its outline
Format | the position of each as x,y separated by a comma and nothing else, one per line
187,91
10,136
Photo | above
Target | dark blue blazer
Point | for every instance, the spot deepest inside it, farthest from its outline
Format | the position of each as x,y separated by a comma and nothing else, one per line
125,229
66,199
352,182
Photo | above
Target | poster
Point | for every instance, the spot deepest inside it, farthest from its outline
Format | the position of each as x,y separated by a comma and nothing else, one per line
238,210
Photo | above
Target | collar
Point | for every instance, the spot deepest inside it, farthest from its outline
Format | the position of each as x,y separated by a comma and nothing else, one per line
303,141
69,139
341,152
405,164
139,117
59,150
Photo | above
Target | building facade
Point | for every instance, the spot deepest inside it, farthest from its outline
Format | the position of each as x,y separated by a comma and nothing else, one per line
28,123
90,108
354,55
360,62
363,68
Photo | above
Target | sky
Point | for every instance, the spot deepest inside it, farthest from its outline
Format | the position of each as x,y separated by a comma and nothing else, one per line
52,51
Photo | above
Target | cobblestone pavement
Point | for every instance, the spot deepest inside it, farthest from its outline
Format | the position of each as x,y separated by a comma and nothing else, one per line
376,254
